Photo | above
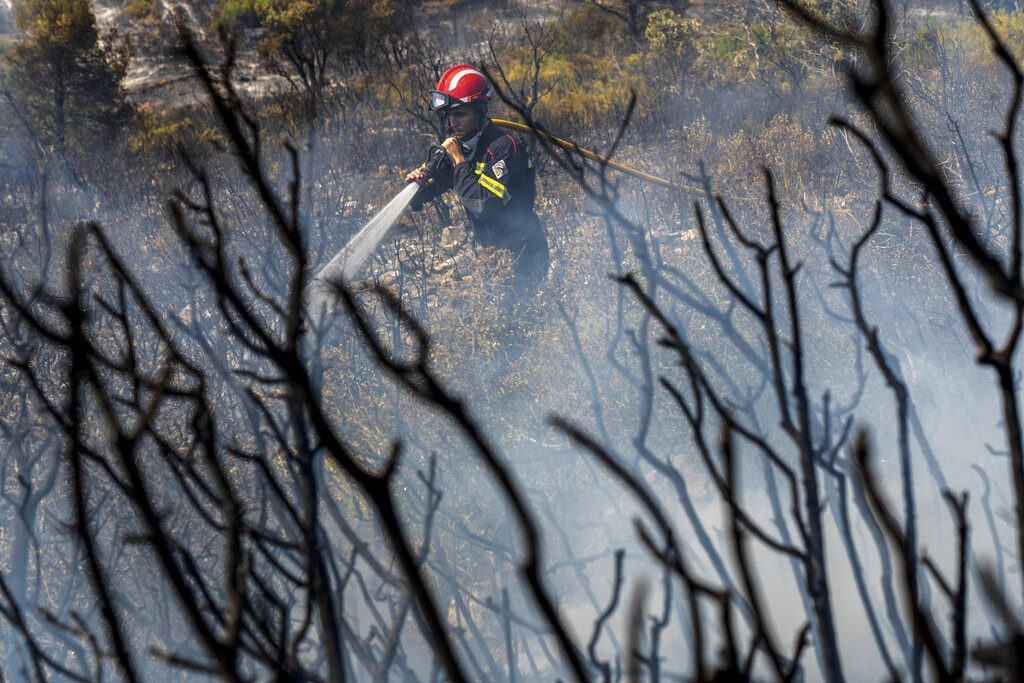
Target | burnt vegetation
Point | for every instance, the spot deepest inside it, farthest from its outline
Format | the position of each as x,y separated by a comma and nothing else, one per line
763,426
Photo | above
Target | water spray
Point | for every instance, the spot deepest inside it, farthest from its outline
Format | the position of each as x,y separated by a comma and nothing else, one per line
348,261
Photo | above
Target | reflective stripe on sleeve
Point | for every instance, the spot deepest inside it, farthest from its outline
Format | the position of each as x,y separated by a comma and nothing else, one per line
495,187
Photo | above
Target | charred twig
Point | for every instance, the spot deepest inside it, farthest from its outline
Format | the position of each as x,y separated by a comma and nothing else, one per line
613,604
923,626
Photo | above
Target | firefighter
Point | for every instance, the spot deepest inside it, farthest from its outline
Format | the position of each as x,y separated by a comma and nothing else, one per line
491,174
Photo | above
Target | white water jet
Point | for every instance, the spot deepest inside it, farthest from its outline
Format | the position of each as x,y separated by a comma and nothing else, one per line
356,253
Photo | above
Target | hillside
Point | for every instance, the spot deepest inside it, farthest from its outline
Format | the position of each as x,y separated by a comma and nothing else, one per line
757,421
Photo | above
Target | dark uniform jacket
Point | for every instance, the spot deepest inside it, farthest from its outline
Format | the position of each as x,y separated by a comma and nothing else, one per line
496,185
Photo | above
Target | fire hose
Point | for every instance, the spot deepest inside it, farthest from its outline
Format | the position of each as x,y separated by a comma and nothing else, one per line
573,147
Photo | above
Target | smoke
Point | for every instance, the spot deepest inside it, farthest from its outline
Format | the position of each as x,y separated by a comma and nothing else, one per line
586,349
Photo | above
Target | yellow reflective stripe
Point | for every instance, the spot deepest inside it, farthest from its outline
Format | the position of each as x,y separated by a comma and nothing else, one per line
495,187
480,167
495,183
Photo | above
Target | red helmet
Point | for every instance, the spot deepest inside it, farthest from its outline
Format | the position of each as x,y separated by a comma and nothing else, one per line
461,84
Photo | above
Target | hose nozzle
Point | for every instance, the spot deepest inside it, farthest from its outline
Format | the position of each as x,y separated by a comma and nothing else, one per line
437,162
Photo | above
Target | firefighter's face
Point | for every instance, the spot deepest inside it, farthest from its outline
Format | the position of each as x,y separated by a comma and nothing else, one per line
463,121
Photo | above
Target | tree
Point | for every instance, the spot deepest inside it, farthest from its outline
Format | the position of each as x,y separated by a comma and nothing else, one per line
302,37
632,11
62,79
308,42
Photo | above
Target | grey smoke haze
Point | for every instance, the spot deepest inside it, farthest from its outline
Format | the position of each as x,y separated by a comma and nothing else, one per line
592,356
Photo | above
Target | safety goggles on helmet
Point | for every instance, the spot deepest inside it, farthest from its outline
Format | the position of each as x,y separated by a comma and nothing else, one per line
442,100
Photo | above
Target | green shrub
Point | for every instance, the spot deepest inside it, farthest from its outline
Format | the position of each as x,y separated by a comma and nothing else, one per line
592,31
145,12
238,13
669,34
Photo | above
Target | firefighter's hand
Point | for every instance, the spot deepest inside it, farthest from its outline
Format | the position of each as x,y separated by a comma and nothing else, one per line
454,149
419,176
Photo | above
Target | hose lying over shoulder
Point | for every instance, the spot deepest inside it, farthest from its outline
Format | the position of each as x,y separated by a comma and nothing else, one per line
573,147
